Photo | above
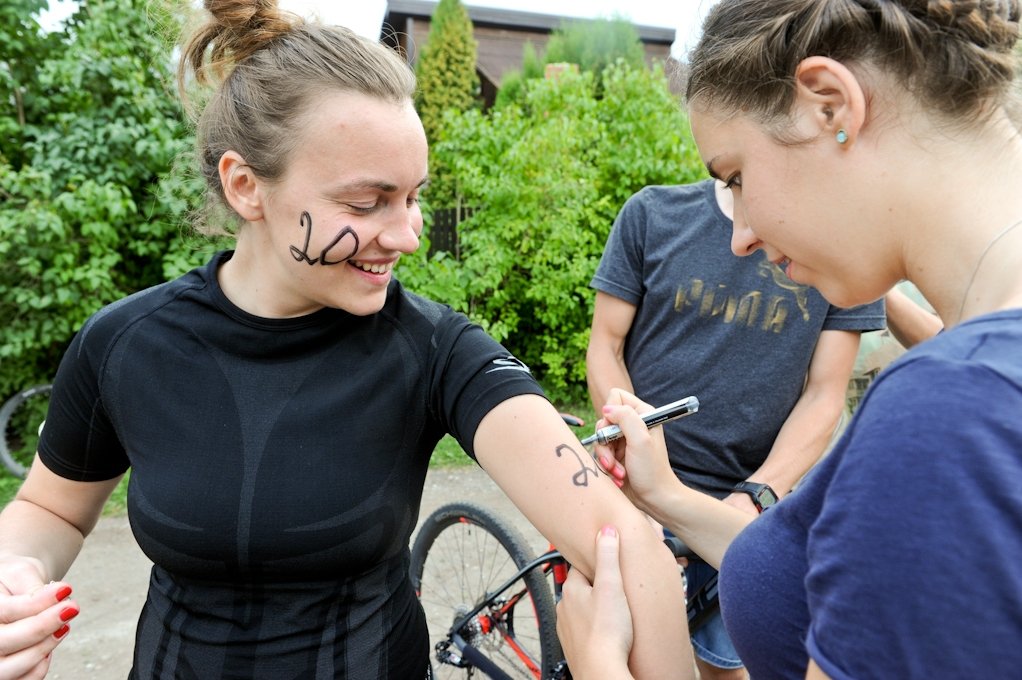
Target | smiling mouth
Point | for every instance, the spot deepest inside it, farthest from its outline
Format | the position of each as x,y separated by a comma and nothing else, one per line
782,262
373,267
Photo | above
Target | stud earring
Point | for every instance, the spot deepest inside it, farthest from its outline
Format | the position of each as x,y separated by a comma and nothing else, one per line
841,136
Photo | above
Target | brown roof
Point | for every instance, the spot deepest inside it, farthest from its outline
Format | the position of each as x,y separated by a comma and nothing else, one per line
500,33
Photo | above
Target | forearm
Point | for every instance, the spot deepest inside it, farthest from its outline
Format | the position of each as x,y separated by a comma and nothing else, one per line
657,600
557,486
30,531
799,444
908,322
705,524
605,370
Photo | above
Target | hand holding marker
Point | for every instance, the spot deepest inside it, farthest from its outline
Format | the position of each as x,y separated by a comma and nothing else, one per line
659,416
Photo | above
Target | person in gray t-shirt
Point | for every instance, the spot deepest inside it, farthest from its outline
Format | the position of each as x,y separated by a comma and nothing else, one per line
678,314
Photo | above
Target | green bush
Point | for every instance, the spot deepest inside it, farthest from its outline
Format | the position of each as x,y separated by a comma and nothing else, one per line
447,81
93,126
547,178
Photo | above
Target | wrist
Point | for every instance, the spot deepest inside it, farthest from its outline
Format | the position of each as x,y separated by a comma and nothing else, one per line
762,495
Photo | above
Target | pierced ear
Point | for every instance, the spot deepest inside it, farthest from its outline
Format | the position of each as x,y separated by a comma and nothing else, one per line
241,187
831,98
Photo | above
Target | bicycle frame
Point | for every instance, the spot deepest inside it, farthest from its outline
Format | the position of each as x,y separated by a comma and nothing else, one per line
551,559
699,607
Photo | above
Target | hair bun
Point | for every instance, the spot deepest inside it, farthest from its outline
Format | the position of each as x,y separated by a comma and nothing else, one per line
247,25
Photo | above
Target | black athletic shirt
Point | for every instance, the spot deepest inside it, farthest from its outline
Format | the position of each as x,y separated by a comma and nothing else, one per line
277,470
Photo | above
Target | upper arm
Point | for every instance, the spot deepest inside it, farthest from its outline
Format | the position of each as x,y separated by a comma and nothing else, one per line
605,356
612,319
525,446
79,504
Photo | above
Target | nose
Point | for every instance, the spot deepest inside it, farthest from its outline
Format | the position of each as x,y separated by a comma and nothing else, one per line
402,234
743,241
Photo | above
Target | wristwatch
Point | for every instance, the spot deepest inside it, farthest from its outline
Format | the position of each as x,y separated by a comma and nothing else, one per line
761,494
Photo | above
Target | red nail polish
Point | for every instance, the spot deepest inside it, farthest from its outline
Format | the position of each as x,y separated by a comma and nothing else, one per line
62,631
63,593
68,613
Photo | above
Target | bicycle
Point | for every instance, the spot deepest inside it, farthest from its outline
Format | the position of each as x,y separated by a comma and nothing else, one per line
21,422
489,605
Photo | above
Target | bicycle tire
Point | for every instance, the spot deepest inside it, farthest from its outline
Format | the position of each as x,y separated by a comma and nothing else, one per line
451,581
21,418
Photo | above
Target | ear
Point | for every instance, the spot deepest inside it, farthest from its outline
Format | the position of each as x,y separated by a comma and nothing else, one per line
242,188
830,97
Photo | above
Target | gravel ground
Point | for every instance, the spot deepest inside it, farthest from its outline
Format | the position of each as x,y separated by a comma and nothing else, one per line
111,575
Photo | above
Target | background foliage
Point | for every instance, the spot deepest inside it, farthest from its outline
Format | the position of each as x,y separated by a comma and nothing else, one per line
546,177
90,124
592,45
447,78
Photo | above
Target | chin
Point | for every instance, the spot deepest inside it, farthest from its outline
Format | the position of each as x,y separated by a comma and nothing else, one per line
364,307
845,297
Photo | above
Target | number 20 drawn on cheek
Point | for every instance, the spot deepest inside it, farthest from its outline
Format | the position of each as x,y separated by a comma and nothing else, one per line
302,255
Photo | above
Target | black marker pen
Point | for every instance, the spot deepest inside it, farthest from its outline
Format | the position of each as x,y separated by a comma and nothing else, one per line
659,416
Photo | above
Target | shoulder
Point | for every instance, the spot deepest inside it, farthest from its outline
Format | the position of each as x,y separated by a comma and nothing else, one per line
112,320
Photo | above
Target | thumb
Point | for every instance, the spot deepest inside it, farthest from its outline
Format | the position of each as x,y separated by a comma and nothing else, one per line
608,564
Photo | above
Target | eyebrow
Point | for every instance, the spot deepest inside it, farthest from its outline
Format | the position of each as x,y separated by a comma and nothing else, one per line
369,183
709,167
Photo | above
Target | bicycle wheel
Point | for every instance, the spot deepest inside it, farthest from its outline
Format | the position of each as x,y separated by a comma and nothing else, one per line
21,419
462,553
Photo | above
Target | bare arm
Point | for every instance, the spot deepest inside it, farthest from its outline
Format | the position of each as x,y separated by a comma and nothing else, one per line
810,425
50,517
909,322
41,532
605,357
532,455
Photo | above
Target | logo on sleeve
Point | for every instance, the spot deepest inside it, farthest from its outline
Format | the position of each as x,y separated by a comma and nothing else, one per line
509,363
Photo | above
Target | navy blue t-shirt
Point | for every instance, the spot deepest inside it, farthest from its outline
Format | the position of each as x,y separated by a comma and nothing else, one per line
900,555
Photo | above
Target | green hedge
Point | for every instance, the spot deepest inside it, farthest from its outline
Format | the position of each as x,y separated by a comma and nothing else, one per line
546,178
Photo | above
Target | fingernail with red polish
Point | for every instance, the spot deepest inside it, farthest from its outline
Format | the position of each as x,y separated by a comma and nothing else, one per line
62,631
68,613
63,593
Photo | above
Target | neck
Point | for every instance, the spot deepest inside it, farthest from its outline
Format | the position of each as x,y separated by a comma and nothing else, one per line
963,247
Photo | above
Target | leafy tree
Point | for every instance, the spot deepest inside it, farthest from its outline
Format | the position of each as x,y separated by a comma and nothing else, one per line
594,45
446,72
90,124
547,178
513,81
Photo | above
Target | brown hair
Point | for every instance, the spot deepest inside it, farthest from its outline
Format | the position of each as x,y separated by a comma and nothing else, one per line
268,67
955,56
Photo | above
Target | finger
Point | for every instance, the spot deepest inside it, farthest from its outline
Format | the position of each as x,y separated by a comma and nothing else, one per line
619,396
46,628
34,601
628,419
29,664
608,564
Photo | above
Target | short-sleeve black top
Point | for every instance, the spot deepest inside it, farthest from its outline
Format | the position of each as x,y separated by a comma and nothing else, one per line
277,468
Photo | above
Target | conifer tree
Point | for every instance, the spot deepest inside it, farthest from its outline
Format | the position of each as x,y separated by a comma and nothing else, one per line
446,71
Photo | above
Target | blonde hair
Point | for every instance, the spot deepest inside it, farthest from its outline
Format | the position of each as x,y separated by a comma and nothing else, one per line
268,67
954,56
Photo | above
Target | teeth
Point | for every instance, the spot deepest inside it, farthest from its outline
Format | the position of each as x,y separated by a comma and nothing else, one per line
374,268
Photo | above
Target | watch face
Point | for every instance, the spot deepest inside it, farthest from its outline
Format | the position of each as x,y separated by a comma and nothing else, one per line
766,496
